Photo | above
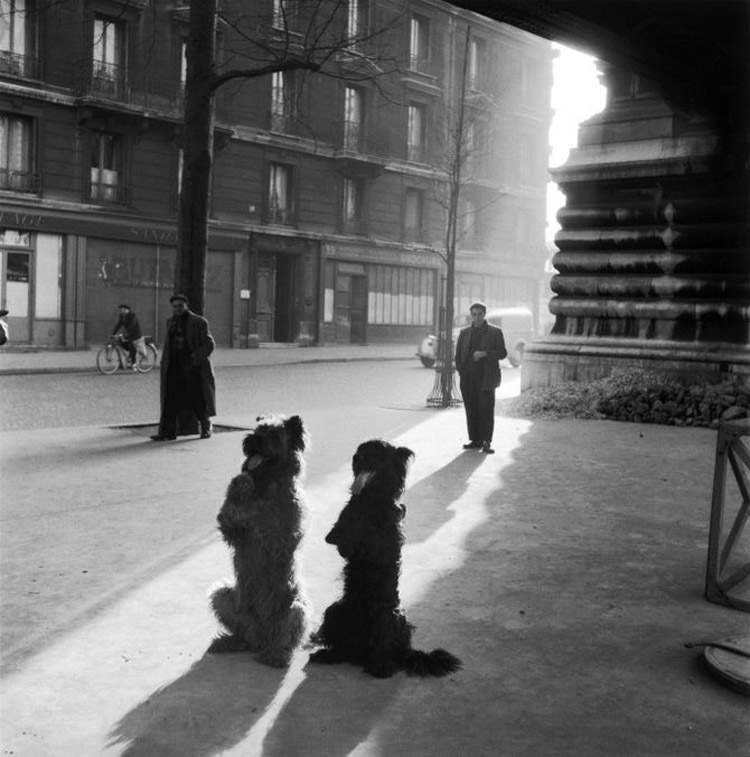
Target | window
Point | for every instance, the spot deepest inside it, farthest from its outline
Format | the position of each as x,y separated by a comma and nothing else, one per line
419,43
525,160
17,55
413,203
106,168
468,224
356,21
183,64
279,193
284,14
353,205
415,132
353,117
283,100
16,153
400,296
475,63
108,58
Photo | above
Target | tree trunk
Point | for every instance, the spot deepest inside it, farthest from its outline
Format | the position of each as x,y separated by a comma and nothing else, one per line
197,157
452,233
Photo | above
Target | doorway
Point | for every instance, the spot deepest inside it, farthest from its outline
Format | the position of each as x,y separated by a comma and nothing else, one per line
15,280
274,306
350,308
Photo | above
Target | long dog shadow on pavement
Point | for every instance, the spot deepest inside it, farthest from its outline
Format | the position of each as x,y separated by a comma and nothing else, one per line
445,486
209,709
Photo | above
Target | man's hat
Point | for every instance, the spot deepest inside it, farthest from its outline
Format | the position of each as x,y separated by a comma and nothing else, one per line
127,307
478,304
3,312
178,298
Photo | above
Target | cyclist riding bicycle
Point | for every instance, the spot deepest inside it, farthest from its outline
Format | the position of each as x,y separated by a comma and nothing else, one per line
129,331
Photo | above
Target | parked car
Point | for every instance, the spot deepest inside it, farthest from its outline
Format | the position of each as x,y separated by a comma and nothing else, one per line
517,324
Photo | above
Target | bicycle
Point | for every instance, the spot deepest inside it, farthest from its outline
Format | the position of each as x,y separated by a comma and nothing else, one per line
114,355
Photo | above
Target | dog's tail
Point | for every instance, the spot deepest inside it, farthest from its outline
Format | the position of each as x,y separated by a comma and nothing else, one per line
435,663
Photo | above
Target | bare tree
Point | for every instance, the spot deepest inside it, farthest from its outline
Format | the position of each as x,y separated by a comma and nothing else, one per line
465,154
325,37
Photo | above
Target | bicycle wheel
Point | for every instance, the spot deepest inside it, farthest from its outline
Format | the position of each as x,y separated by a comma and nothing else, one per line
146,362
107,360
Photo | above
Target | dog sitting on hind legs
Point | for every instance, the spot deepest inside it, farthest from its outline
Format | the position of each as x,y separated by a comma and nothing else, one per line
367,626
261,520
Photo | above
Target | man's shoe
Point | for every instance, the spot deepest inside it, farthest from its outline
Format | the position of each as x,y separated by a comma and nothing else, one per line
162,438
471,445
487,449
206,433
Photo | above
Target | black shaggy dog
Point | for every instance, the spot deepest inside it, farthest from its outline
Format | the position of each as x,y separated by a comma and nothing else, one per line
367,626
261,520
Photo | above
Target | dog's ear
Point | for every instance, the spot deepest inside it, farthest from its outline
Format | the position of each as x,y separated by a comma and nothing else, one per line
296,431
246,448
404,454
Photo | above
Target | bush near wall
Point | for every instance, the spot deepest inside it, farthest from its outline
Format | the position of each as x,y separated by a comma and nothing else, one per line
638,396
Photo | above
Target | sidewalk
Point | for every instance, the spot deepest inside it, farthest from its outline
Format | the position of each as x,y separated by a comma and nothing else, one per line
72,361
567,577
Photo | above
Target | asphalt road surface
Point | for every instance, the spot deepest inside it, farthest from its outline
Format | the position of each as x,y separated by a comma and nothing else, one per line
61,560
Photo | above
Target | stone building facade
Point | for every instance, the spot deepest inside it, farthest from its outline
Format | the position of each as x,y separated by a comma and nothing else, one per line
326,218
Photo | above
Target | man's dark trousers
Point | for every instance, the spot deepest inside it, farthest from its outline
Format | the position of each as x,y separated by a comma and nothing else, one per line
479,405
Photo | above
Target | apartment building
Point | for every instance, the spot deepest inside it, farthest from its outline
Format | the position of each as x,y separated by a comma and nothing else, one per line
329,193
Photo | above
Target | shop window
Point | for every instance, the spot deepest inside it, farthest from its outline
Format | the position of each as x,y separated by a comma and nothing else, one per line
283,100
400,296
106,183
108,57
353,118
17,38
415,136
16,153
280,206
413,208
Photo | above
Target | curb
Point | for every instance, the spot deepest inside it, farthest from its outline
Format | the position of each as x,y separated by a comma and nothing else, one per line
92,368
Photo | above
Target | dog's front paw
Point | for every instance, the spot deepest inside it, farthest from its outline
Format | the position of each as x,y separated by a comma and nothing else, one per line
274,659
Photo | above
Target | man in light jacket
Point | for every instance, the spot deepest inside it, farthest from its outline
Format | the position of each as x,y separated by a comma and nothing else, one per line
479,350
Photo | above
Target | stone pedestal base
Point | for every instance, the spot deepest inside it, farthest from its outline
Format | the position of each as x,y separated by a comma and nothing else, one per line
550,361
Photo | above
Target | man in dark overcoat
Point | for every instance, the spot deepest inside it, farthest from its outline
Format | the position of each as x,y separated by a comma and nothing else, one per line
479,350
188,389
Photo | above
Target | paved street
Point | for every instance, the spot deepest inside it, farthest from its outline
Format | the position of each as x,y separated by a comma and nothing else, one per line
50,553
565,571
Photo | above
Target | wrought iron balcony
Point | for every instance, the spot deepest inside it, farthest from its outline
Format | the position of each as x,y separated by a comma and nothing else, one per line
353,135
279,215
18,181
15,64
107,80
104,191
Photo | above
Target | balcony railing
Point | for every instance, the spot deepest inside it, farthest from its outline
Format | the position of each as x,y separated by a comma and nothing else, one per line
108,191
415,152
18,181
421,64
279,215
107,80
15,64
353,135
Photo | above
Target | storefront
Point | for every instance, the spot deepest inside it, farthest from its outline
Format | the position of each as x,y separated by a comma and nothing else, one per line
377,294
62,278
